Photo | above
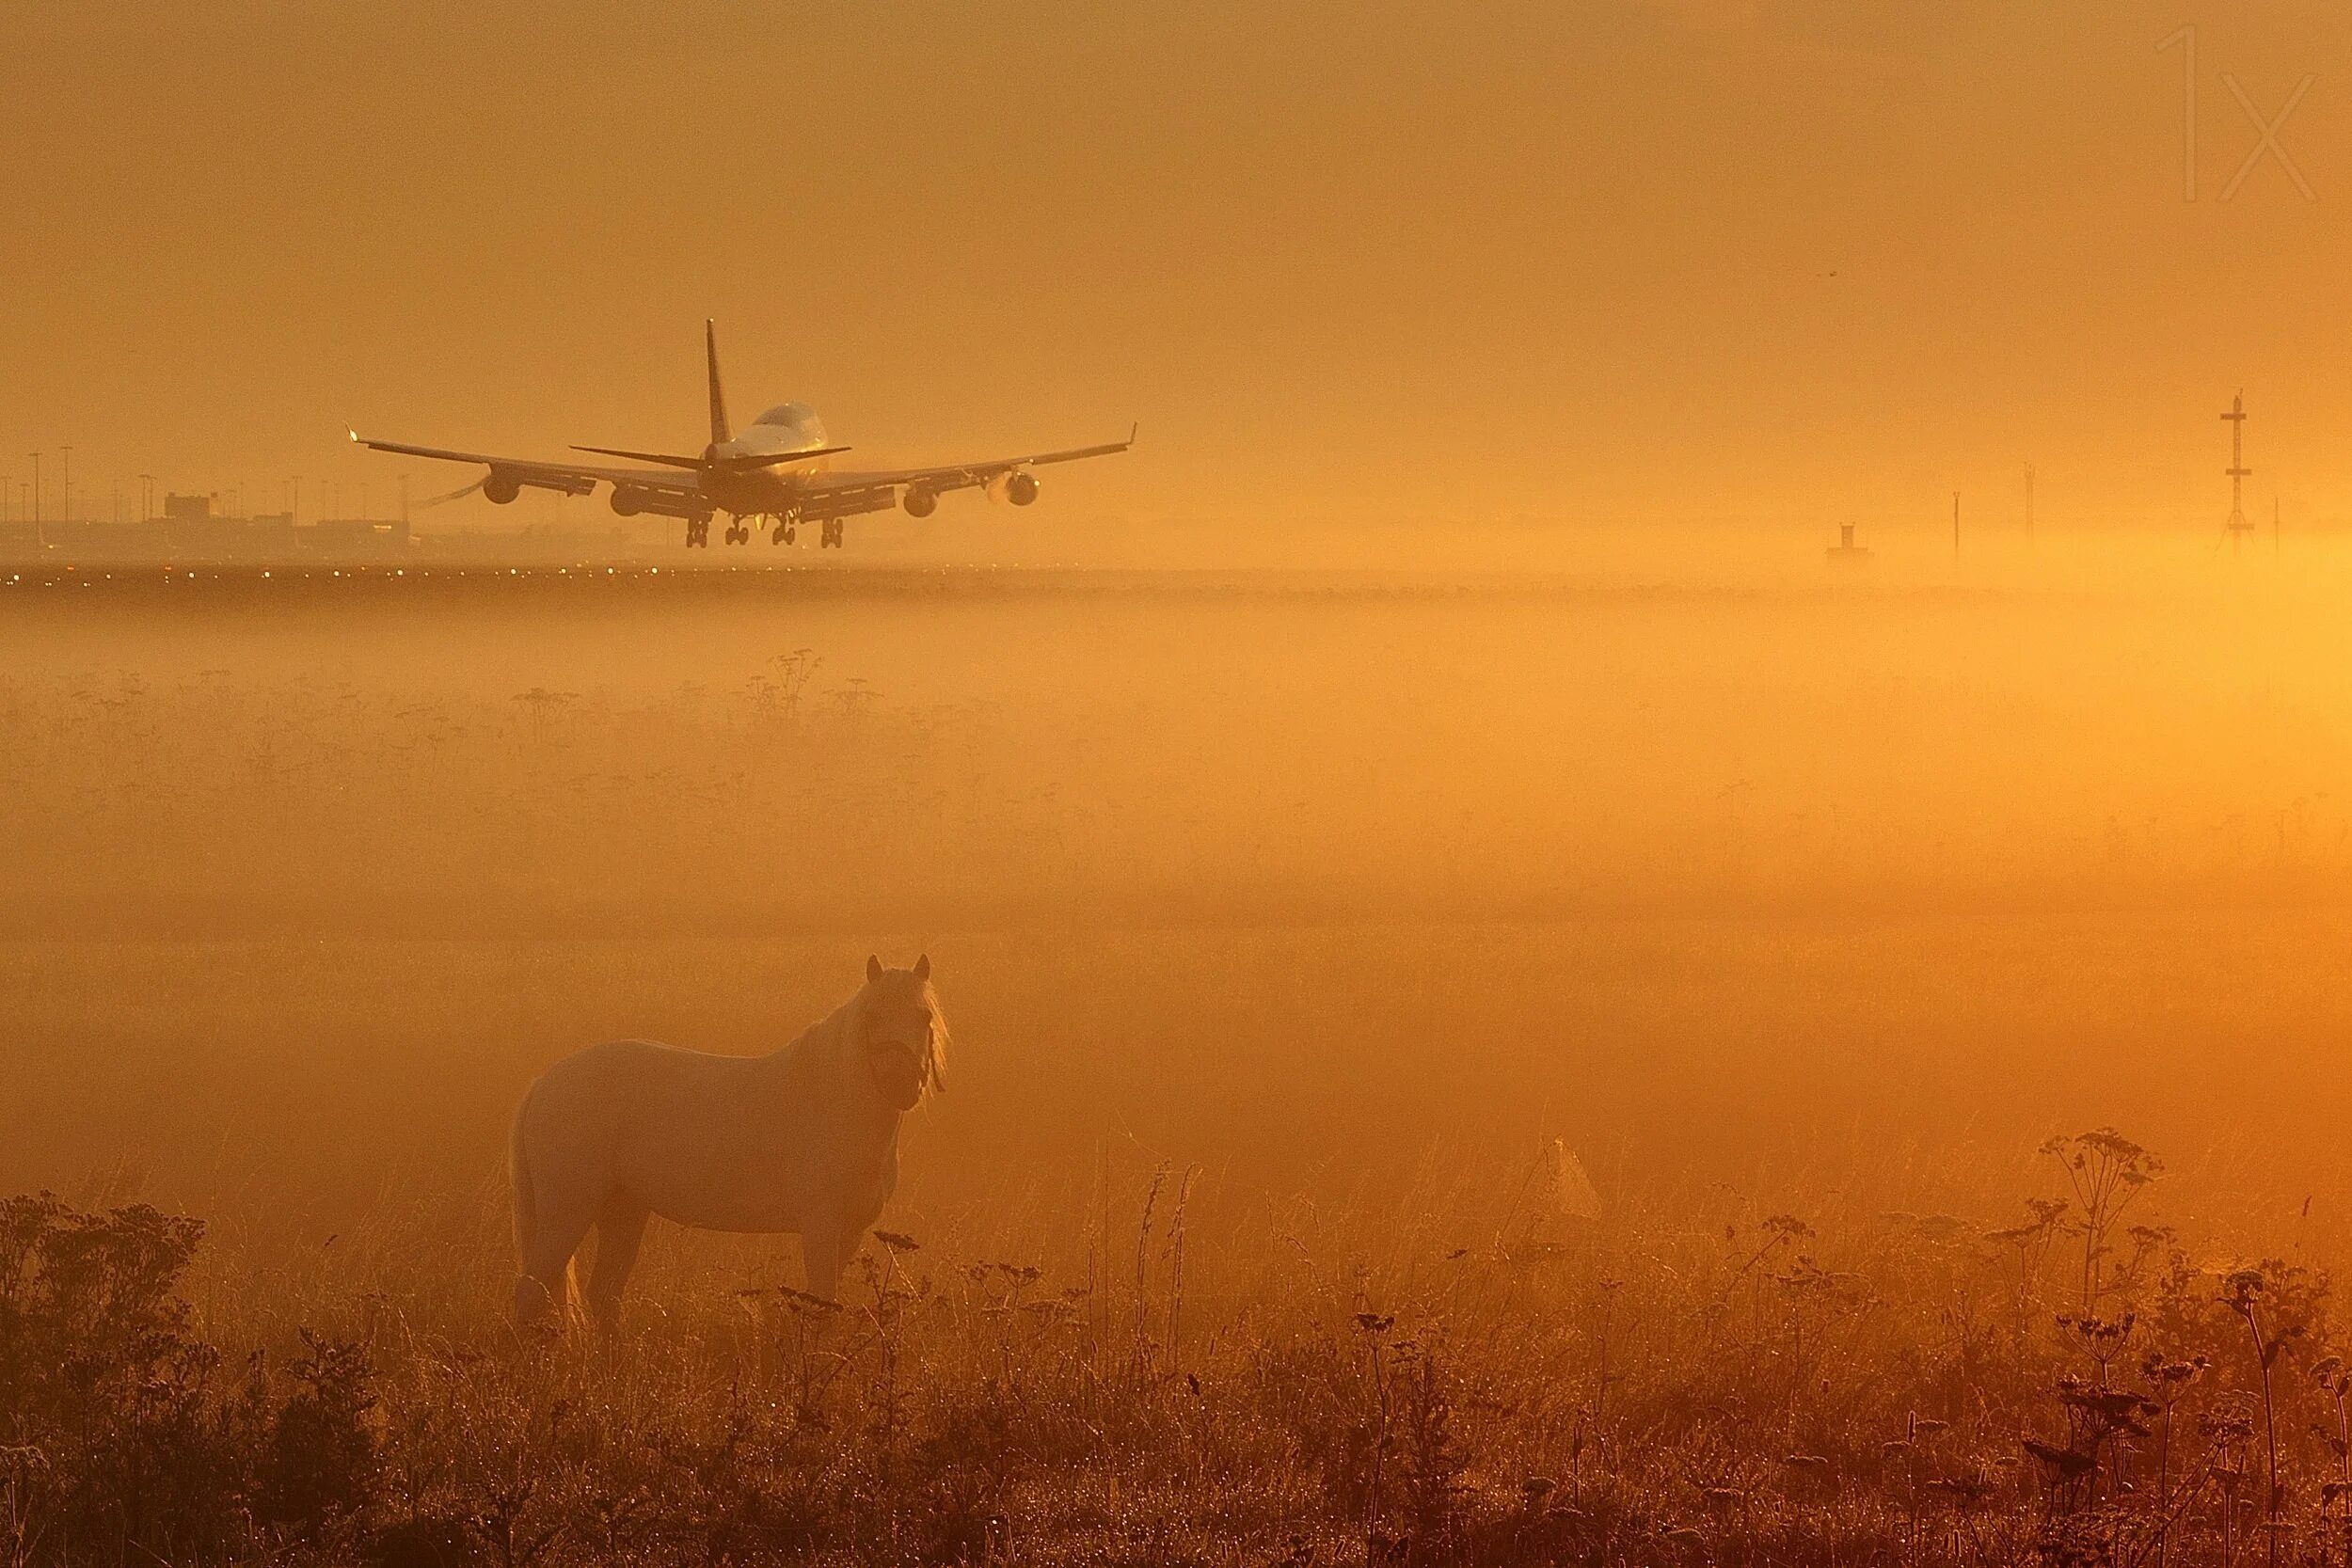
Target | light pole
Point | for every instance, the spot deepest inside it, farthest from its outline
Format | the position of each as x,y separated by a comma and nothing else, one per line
39,543
146,498
65,506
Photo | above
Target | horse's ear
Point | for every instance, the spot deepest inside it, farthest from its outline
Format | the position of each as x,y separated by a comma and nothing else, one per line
923,967
873,968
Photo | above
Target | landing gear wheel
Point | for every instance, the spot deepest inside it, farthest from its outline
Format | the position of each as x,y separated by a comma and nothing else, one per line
832,537
697,532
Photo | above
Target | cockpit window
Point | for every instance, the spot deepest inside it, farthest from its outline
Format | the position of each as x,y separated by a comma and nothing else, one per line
790,414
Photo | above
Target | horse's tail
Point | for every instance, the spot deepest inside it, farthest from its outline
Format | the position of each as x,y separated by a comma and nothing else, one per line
518,1176
533,1297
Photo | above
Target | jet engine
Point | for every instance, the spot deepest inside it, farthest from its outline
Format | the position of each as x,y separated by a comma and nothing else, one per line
630,500
500,488
919,502
1017,485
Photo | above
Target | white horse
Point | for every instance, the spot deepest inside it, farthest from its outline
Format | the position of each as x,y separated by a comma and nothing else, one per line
805,1139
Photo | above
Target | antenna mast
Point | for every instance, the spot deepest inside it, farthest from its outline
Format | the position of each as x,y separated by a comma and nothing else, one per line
2237,527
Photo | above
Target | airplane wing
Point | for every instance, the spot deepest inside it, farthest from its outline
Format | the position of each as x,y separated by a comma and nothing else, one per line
572,478
835,492
954,476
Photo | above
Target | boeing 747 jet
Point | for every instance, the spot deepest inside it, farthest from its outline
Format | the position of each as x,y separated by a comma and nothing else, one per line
775,473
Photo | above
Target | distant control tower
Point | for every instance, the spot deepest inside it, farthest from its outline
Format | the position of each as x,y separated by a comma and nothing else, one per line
2237,527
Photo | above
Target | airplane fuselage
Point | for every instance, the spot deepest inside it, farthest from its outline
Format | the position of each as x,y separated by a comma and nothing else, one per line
787,428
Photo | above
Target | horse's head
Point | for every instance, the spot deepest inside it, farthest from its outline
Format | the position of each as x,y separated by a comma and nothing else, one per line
903,1041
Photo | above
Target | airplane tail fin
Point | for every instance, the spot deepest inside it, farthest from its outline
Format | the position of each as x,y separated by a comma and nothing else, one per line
718,431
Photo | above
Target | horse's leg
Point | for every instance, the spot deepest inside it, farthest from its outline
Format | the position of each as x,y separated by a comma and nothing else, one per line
546,1267
853,1237
620,1231
820,1250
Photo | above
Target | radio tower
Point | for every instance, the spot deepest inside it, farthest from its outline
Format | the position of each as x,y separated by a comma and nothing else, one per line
2237,527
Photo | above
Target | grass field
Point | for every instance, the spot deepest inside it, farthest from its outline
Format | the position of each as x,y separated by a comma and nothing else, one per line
1285,927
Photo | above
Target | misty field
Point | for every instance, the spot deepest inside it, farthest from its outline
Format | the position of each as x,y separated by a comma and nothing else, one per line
1288,926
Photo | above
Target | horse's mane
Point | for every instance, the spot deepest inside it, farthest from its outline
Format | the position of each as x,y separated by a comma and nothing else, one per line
823,1042
938,1079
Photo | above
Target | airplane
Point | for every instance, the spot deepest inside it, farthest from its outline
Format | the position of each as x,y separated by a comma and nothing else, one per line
775,470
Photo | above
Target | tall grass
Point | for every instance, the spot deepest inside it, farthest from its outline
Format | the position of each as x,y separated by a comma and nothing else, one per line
1664,1385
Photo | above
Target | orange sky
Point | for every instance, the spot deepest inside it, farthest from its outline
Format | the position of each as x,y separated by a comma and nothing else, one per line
1497,257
